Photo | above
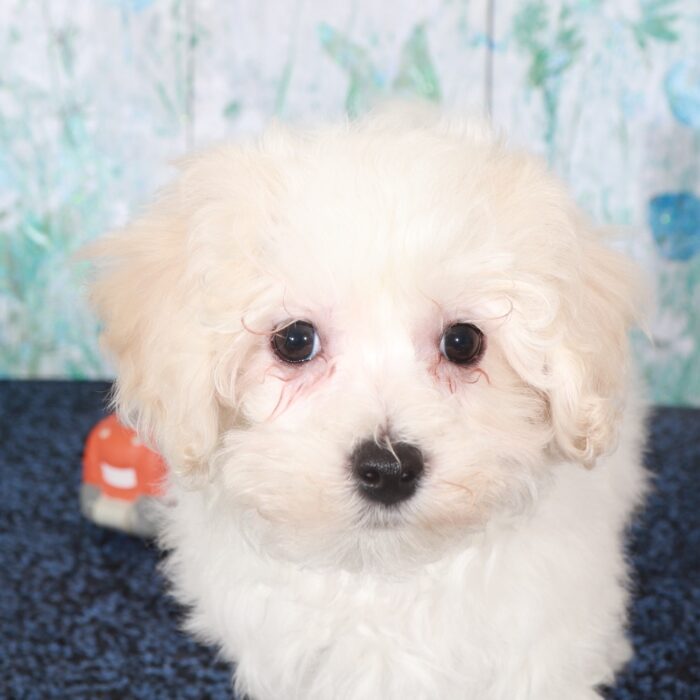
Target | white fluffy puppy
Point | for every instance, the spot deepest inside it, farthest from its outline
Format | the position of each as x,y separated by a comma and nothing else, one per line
382,360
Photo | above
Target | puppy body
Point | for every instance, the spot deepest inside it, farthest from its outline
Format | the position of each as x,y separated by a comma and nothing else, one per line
527,610
503,575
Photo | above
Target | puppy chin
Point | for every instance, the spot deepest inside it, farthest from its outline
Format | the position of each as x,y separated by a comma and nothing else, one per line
385,543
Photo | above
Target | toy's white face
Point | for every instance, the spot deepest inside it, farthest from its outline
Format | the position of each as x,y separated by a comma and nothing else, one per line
385,344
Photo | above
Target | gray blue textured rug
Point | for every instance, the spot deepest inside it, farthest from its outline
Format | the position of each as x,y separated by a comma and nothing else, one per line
83,613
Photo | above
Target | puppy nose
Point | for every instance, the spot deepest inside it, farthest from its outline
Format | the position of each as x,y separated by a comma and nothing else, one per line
387,476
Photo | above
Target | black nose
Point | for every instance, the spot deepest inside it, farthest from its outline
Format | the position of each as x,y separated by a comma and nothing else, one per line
387,476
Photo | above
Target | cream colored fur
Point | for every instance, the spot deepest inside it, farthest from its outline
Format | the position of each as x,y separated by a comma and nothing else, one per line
504,577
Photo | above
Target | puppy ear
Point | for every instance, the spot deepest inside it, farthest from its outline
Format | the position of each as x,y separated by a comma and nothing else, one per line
159,285
589,365
147,301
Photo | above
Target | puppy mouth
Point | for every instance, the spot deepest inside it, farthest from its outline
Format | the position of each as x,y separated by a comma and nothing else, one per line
379,517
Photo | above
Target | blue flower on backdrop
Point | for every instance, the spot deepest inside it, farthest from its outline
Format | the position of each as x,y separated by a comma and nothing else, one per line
674,218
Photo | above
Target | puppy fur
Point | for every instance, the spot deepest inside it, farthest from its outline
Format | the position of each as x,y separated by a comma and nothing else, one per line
504,576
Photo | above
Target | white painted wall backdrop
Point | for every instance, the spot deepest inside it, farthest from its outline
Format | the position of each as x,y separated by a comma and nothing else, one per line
98,96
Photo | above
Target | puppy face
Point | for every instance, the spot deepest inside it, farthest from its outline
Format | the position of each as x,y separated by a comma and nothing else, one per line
370,339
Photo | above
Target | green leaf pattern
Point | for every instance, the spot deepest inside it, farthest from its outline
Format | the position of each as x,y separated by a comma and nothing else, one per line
96,98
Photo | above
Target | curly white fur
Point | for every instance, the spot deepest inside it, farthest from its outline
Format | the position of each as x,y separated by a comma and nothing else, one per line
503,578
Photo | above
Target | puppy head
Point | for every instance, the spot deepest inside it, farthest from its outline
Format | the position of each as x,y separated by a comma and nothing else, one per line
369,339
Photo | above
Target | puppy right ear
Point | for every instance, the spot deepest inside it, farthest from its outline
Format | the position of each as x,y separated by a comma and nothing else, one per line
147,300
160,289
157,285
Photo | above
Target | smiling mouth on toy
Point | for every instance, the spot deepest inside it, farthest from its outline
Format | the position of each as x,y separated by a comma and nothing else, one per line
118,477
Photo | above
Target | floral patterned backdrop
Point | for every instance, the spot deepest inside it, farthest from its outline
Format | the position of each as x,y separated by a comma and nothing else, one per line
97,97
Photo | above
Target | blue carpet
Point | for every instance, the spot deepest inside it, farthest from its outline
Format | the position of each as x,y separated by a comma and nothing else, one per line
83,614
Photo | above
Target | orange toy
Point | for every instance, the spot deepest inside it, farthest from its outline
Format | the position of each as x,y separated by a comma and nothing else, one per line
121,479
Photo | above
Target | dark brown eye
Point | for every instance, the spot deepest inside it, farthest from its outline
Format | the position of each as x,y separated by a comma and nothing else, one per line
297,342
462,343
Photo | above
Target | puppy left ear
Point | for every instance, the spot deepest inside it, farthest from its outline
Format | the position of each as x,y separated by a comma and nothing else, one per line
588,367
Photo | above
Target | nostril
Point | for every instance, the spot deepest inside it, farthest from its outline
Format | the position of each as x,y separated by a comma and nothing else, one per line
370,476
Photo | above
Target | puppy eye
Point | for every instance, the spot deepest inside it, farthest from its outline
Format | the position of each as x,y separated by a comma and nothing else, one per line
462,343
297,342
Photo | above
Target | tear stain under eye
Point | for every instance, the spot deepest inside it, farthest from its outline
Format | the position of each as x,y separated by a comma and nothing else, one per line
473,378
290,393
271,372
479,372
285,400
475,373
